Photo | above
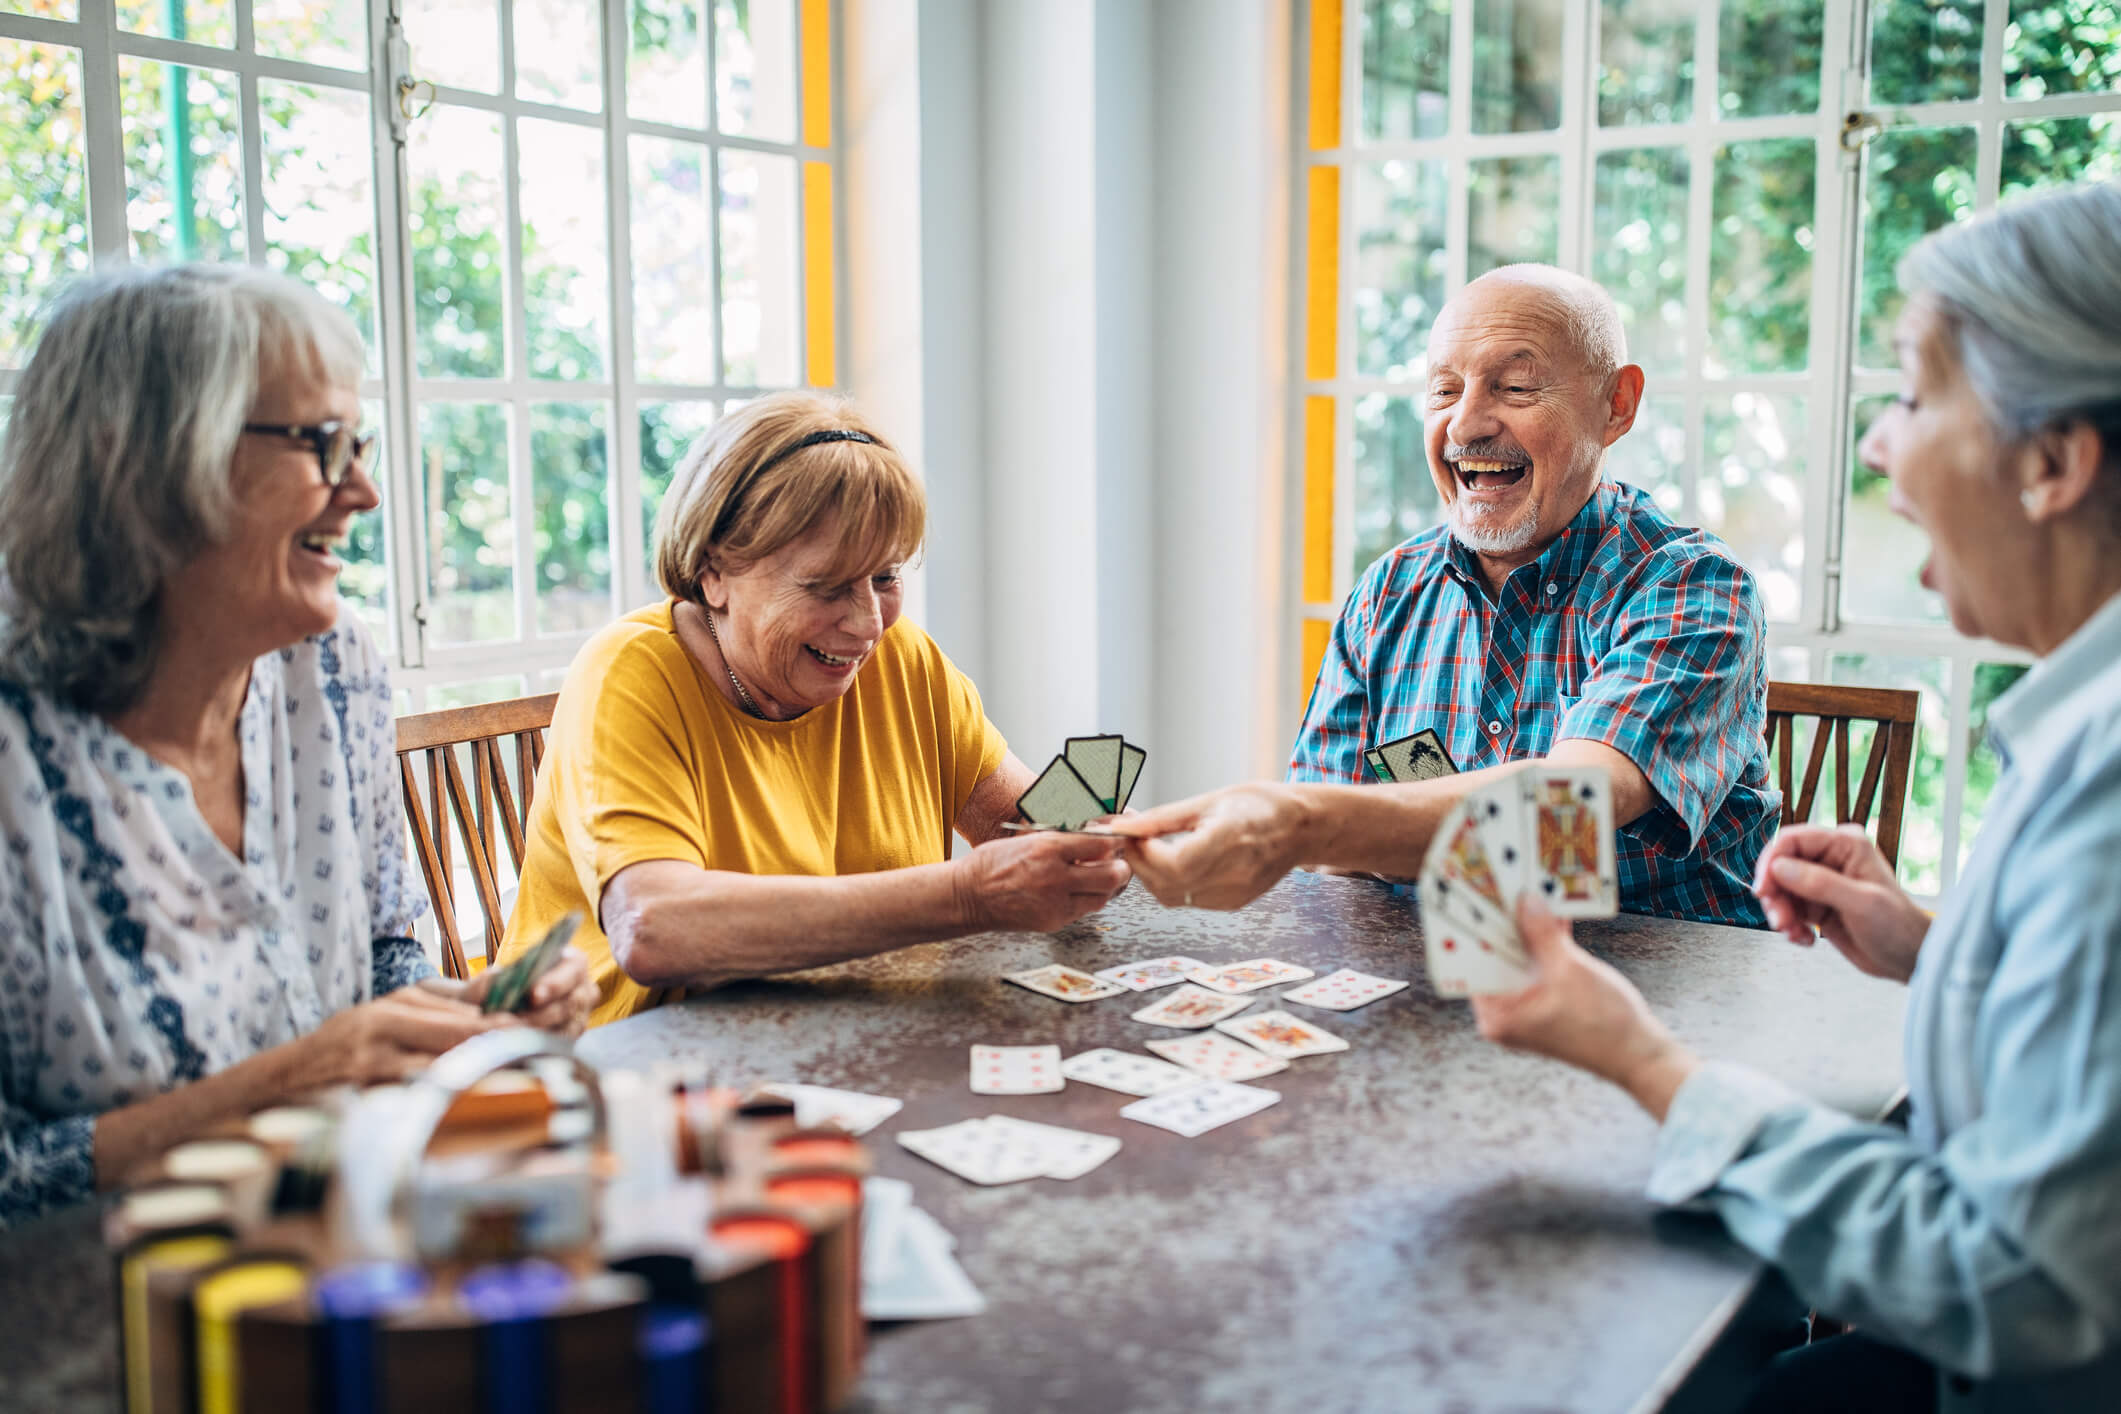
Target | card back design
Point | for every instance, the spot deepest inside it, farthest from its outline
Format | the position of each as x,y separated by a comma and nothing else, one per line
1419,757
1060,799
1097,759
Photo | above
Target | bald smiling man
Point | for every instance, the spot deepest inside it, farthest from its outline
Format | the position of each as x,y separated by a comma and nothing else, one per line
1555,614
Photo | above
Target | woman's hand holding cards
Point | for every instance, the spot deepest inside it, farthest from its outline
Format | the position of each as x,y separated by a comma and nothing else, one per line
1039,882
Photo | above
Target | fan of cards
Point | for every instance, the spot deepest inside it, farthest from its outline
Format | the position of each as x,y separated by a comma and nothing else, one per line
1547,831
510,988
1420,757
1093,777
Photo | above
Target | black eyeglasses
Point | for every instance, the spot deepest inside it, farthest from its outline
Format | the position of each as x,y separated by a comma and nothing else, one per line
339,448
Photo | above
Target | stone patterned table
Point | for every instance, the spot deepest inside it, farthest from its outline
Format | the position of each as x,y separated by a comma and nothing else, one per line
1423,1222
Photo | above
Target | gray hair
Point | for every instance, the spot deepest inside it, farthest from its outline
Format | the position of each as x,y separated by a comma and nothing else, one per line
1582,307
2031,299
118,455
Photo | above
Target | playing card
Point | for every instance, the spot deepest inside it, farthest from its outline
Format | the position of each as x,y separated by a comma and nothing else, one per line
1125,1072
1190,1008
1066,983
1131,759
1148,976
1016,1070
1570,812
1344,990
1463,963
1456,873
1199,1108
1097,760
1280,1034
973,1150
1375,760
1420,757
851,1110
510,989
1069,1153
1218,1057
1248,976
920,1280
1061,799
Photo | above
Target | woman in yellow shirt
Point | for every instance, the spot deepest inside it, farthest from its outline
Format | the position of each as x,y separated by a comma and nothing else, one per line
762,774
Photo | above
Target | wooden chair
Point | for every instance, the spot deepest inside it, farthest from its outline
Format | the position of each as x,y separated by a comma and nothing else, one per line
490,801
1837,710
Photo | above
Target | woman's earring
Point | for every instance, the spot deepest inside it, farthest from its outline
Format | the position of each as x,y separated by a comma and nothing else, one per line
2027,500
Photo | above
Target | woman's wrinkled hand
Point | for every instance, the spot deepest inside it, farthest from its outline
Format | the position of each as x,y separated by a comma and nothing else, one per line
1039,882
1835,881
393,1037
562,999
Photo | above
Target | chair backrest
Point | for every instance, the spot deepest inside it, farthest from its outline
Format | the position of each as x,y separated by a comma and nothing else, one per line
1837,711
489,802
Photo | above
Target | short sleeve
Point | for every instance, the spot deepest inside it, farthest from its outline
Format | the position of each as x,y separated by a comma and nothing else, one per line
1336,724
1681,689
977,747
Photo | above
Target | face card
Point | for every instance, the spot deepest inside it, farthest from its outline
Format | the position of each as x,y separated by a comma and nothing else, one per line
1199,1108
1344,990
1125,1072
1455,874
1097,760
1280,1034
1131,760
1462,962
1375,760
1420,757
1016,1070
1147,976
973,1151
1190,1008
1066,983
1218,1057
1571,816
1248,976
1498,816
1060,799
1069,1153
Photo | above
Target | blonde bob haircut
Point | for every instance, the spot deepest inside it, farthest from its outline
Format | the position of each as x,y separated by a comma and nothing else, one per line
746,489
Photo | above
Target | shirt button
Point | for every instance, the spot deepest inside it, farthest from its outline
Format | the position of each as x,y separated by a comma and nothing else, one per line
1494,729
1553,588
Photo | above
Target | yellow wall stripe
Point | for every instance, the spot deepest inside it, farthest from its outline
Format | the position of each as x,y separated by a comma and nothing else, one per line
817,73
1317,633
1318,500
1325,74
1322,259
822,362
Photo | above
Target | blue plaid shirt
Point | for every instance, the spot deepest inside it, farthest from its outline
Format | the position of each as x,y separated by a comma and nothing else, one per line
1628,630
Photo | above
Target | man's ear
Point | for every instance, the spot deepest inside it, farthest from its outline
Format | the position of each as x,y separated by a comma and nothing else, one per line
1623,402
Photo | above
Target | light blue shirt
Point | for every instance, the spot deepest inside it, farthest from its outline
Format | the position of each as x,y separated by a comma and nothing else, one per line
1987,1238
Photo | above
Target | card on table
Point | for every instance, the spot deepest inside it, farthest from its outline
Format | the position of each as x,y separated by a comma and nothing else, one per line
1097,760
1125,1072
1418,757
1344,990
1066,983
1570,813
1148,975
1016,1070
974,1151
1199,1108
1068,1153
1248,976
1280,1034
1190,1008
1061,799
851,1110
1218,1057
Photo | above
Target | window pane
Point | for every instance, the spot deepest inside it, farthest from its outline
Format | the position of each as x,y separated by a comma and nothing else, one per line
1395,496
673,262
667,429
470,529
1768,56
1751,491
42,9
365,582
560,53
1513,211
1915,180
1922,834
761,319
1406,68
1760,258
1983,765
455,43
565,266
2058,151
1400,210
1645,61
754,68
1882,553
2062,46
333,32
1925,51
1653,454
199,21
183,162
319,216
1516,66
457,253
1638,250
45,199
666,63
473,694
568,457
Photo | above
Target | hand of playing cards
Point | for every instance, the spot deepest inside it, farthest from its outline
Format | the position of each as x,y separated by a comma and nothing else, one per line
509,989
1093,777
1547,831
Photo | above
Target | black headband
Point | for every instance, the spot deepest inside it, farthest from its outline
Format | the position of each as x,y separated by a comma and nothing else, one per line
815,439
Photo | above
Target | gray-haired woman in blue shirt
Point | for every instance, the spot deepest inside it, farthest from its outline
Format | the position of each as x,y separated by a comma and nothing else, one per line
1979,1253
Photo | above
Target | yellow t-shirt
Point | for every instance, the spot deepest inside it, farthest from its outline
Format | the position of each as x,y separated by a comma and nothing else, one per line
644,761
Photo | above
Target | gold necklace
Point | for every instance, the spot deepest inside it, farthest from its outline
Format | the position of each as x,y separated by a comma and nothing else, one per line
743,697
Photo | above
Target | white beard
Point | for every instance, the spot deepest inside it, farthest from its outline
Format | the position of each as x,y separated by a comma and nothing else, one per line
1483,535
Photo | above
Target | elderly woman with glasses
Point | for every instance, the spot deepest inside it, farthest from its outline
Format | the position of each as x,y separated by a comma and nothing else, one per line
1978,1254
203,903
763,773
